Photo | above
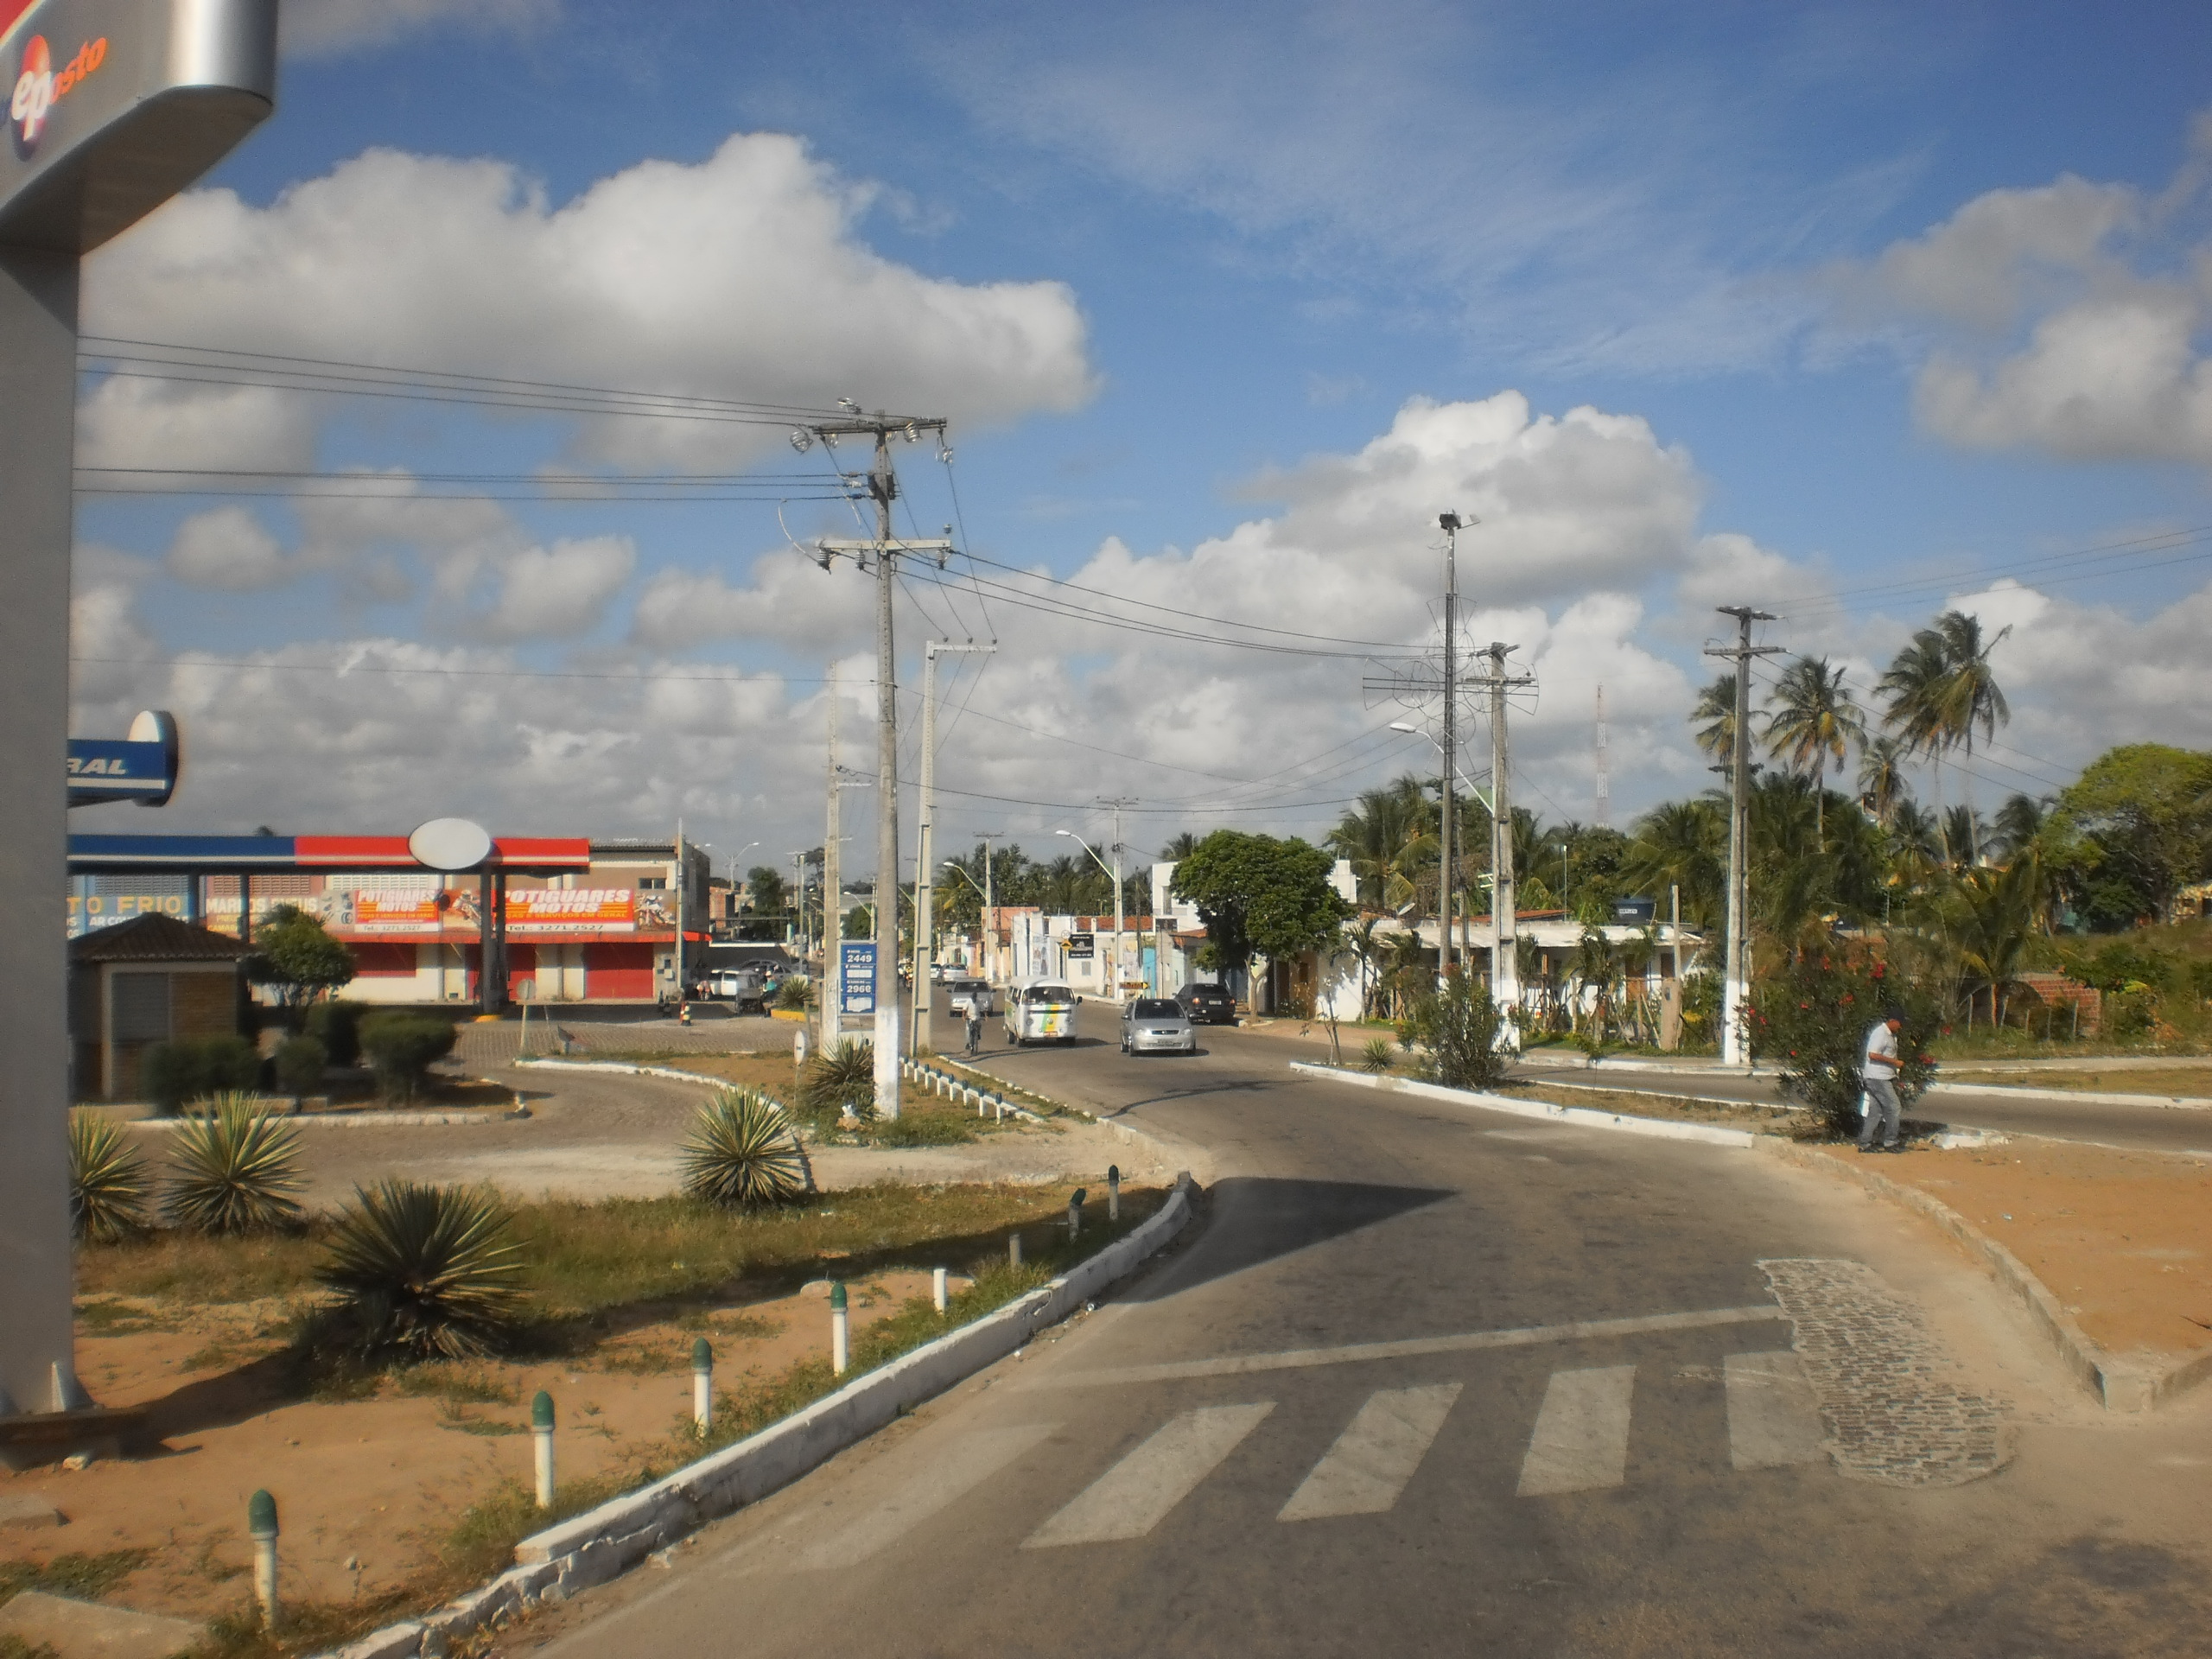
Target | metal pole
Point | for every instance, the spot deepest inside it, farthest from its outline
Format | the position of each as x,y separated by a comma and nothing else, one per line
832,990
1444,872
1504,903
881,485
682,882
1735,985
1120,913
925,882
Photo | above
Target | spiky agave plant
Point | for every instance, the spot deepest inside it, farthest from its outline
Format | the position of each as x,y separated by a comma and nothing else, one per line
740,1154
425,1272
235,1169
108,1181
841,1080
1376,1056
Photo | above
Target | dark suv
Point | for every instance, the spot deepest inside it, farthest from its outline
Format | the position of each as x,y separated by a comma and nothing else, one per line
1207,1005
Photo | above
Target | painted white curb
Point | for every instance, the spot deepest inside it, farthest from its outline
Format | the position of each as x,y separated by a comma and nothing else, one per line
623,1067
1581,1116
602,1543
2087,1097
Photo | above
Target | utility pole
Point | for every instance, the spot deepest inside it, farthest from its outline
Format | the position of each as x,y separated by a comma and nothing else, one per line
1736,981
990,903
797,926
1604,766
1447,873
1504,904
681,885
1121,916
883,487
926,839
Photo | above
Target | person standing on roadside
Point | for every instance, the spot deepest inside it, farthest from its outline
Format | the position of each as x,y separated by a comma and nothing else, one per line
1878,1077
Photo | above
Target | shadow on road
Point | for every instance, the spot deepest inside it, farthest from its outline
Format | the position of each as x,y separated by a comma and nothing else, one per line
1258,1218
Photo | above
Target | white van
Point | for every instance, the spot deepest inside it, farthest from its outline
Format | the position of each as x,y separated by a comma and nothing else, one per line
1041,1011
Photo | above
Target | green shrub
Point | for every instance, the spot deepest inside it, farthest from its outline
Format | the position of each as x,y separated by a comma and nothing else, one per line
235,1169
337,1025
400,1047
1458,1026
740,1154
840,1080
109,1185
1811,1018
299,1065
791,995
1376,1056
193,1068
424,1272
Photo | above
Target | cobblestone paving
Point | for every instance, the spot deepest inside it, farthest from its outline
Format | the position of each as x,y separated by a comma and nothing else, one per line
1882,1380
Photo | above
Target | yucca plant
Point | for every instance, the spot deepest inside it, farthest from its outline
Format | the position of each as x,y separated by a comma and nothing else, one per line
839,1080
740,1153
1376,1056
425,1272
236,1169
109,1185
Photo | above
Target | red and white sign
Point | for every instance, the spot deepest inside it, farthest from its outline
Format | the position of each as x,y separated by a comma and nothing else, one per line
404,910
40,86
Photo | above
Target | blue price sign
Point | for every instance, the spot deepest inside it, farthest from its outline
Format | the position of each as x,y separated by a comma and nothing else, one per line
856,977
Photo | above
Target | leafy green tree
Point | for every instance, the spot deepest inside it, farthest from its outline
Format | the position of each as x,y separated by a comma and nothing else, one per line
1811,1018
1457,1025
1259,895
2146,808
764,892
296,957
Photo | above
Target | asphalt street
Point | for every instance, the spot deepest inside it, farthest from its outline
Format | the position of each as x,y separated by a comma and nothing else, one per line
1431,1381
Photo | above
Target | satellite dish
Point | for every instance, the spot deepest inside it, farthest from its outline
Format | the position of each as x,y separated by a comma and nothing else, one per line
450,844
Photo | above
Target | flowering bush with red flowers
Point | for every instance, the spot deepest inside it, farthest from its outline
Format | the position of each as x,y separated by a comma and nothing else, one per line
1812,1017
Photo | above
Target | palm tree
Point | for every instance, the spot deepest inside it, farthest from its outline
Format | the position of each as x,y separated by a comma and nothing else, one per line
1881,776
1685,844
1815,721
1941,691
1180,848
1714,717
1387,836
2018,822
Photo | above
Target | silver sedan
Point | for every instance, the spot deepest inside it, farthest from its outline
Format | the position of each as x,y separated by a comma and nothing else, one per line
1157,1025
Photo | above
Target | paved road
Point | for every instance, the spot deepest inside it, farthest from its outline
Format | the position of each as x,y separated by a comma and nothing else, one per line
1434,1381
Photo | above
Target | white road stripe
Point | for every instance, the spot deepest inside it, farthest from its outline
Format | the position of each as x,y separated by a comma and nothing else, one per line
1372,1460
1772,1417
1412,1347
963,1465
1136,1495
1581,1438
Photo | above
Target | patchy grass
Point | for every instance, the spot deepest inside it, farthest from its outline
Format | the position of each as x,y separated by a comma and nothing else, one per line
2185,1080
457,1383
87,1578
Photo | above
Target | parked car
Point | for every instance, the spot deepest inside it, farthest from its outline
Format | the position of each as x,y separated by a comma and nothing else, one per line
1041,1011
746,987
946,972
1207,1005
1157,1025
964,991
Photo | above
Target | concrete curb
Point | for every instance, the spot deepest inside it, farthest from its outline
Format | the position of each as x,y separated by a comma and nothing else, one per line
1580,1116
602,1543
2119,1384
1608,1063
625,1068
2087,1097
1630,1089
364,1119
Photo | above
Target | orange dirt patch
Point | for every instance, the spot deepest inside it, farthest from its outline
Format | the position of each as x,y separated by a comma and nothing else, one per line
2123,1239
380,1480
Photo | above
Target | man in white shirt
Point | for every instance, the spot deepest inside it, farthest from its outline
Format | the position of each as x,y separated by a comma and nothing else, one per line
1878,1077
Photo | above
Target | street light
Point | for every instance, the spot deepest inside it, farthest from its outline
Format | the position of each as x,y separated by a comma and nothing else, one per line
1114,983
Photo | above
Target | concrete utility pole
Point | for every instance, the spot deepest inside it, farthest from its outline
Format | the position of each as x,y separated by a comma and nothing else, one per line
1121,916
682,894
1504,903
926,838
1447,873
1604,766
831,989
883,487
796,926
990,903
1736,981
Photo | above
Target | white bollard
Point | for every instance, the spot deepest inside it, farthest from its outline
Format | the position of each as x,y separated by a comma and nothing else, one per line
1113,1192
1013,1251
798,1048
937,1289
703,1385
260,1526
541,1430
840,1341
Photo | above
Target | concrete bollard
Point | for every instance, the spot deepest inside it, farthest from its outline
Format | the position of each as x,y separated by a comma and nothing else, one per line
798,1048
541,1431
703,1385
937,1289
1013,1251
839,1331
260,1527
999,1112
1075,1213
1113,1192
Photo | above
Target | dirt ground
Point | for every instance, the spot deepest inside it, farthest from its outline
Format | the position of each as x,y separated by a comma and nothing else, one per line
2123,1239
381,1481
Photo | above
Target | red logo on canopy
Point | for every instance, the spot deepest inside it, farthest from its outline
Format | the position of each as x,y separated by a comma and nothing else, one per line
39,87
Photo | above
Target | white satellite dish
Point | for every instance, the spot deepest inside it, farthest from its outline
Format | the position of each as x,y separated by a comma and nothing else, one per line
450,844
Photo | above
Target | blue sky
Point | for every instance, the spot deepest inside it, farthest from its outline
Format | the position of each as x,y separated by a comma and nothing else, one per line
1225,308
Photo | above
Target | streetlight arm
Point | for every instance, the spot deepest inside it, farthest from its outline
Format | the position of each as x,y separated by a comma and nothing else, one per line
1087,847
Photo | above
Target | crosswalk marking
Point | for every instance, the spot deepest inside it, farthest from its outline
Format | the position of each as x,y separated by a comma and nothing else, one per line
965,1465
1772,1419
1581,1438
1136,1495
1373,1460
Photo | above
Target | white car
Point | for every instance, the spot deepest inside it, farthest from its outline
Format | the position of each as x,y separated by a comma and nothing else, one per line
963,992
1041,1011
